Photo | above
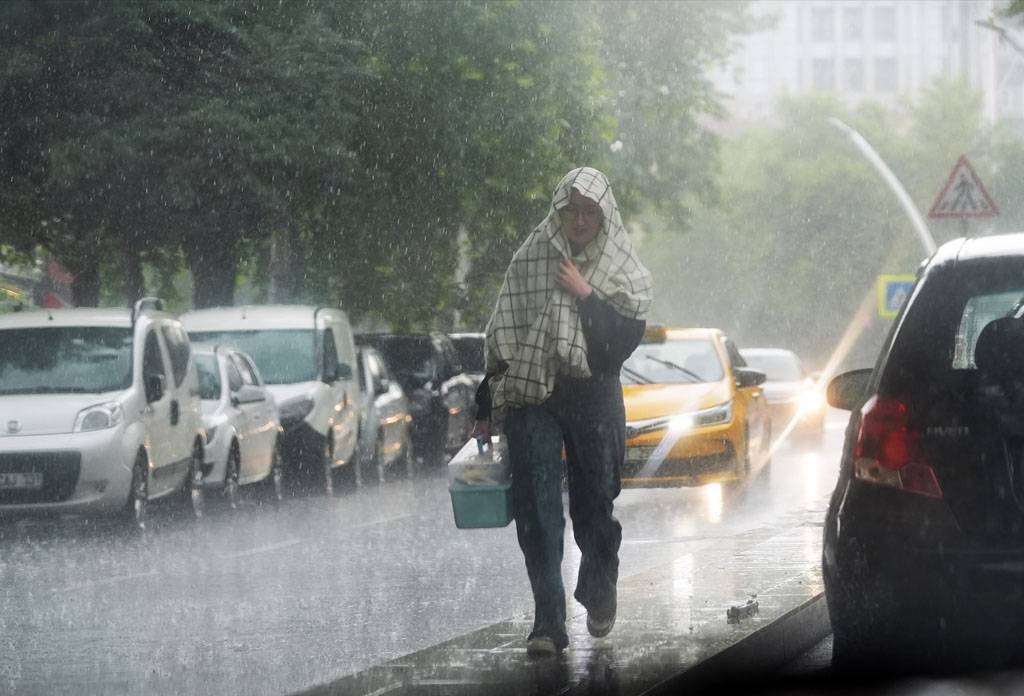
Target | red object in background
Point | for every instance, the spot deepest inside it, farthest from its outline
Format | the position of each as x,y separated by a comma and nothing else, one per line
56,286
52,301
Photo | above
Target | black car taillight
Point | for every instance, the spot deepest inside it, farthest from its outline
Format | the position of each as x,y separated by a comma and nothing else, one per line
888,451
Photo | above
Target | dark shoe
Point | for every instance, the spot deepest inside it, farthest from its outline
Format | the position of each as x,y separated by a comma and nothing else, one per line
600,628
541,646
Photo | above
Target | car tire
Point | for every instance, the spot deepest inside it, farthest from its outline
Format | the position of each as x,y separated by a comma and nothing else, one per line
328,465
232,472
408,458
272,488
135,509
377,464
193,499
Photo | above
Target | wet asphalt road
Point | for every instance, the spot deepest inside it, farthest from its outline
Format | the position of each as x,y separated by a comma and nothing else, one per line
273,599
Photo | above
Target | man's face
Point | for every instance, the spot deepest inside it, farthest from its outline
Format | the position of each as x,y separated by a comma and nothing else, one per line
581,220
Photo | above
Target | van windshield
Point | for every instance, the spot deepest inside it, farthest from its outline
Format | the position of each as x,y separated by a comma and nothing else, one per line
66,359
283,356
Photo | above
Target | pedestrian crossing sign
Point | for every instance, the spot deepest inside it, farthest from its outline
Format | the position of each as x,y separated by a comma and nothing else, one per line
893,292
963,196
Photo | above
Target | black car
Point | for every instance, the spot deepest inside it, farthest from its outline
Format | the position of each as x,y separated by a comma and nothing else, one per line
924,536
471,348
441,396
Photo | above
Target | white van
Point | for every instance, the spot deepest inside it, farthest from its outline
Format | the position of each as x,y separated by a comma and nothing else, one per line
307,357
99,412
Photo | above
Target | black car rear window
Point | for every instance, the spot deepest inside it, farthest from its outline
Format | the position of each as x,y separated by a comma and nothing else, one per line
933,348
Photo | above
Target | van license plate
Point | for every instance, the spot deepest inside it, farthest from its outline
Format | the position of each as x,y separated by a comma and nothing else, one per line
21,481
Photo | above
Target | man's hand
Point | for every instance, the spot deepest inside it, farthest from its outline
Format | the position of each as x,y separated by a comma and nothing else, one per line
482,430
569,279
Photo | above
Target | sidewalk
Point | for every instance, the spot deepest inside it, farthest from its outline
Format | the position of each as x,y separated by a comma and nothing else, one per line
671,630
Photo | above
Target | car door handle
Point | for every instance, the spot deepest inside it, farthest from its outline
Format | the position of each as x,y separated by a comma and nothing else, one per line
175,413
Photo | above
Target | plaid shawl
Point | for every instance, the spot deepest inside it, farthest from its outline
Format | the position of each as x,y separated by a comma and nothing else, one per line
535,331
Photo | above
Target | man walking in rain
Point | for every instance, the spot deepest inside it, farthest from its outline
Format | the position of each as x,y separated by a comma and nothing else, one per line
571,310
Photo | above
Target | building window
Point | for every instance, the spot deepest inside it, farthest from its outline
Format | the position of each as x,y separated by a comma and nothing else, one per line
821,24
885,75
853,23
823,74
853,74
885,23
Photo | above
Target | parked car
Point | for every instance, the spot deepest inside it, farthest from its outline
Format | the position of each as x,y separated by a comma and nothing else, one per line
441,396
241,423
385,437
695,413
471,348
306,356
793,395
924,534
99,412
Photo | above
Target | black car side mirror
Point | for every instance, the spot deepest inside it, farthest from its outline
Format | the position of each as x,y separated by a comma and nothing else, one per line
155,387
745,377
847,391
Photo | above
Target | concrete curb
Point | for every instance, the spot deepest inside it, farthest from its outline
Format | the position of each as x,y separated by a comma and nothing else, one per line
758,655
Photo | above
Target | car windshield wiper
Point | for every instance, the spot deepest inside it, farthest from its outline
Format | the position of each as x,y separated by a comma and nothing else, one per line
636,376
674,366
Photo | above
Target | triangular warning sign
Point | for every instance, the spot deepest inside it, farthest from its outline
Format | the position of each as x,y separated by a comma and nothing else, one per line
964,195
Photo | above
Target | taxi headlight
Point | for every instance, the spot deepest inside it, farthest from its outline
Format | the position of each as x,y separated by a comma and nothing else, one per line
99,417
682,422
715,415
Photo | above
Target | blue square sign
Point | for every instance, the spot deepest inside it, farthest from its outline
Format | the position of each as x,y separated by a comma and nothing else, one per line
893,292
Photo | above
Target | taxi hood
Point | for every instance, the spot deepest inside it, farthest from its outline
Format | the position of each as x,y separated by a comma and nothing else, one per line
645,401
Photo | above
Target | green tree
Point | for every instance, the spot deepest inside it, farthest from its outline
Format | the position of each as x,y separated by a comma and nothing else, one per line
805,223
140,128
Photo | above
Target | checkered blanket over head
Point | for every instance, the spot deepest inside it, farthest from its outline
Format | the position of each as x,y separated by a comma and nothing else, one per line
535,331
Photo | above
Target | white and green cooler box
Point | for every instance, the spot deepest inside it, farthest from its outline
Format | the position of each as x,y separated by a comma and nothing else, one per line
480,483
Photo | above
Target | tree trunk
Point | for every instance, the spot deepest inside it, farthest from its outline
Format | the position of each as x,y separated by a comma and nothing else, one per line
282,283
214,266
135,283
85,288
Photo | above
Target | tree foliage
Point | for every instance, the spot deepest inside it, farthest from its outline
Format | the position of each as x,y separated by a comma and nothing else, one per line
388,154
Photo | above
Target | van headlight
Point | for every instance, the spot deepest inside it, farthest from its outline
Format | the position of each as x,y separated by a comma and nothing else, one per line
99,417
295,410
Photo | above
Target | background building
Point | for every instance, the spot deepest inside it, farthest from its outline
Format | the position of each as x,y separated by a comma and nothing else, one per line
885,50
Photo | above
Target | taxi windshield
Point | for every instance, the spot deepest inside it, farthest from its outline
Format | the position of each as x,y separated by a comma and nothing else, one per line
684,361
62,360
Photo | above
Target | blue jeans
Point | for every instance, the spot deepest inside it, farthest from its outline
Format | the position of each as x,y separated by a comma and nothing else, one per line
589,418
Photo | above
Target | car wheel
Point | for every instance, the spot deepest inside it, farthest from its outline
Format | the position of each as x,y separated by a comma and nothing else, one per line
377,464
231,474
277,475
138,493
743,456
272,487
408,458
192,497
328,466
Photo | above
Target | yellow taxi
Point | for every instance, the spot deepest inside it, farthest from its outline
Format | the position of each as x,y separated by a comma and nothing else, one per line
695,413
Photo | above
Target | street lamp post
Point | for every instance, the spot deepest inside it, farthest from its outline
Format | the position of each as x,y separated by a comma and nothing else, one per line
923,233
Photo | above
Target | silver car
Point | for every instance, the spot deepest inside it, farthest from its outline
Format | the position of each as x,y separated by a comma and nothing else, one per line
384,435
99,412
241,422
